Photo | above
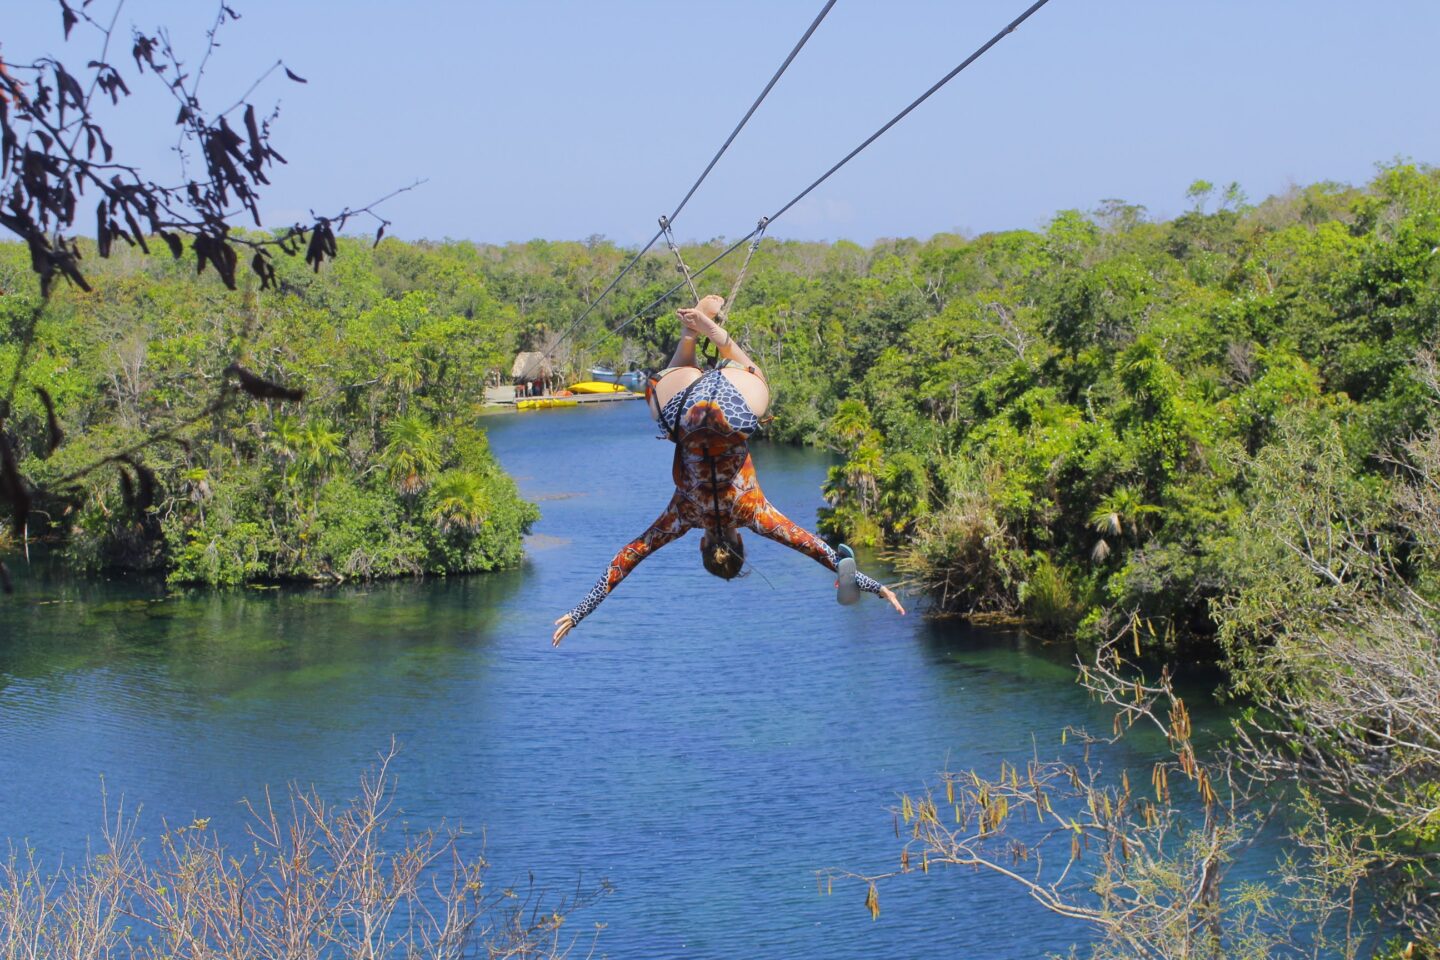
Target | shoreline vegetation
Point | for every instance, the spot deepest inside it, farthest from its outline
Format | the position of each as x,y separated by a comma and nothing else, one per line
381,471
1051,424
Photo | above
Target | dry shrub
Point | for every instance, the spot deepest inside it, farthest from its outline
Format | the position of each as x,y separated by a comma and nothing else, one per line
962,555
317,880
1347,681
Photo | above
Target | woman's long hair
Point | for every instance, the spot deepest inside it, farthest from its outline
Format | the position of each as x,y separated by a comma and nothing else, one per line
723,557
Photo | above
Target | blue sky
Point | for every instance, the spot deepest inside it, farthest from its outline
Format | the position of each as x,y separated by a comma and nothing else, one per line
564,119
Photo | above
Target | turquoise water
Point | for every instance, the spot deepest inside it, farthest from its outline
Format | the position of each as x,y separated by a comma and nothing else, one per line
705,746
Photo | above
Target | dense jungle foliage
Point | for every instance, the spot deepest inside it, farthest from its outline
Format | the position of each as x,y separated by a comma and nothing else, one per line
381,470
1111,413
1055,423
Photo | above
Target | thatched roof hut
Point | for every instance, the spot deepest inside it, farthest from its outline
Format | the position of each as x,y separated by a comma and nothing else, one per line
531,365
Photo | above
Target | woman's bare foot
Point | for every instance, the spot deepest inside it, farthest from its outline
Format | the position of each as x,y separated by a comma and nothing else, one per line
701,325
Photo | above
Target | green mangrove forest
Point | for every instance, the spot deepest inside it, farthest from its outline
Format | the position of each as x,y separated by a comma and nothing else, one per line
1109,413
381,471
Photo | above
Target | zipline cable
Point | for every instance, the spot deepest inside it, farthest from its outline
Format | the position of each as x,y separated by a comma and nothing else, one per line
1006,30
814,24
669,293
753,107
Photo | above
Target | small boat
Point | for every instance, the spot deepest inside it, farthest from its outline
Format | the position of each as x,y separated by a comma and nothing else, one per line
634,379
595,386
542,403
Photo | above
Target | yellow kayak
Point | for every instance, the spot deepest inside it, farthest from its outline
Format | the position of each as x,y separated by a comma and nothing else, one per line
540,403
596,386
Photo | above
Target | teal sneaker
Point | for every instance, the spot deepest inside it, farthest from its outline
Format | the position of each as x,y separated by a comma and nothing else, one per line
847,591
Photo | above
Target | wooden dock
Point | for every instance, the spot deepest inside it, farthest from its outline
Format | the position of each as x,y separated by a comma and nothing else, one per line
578,398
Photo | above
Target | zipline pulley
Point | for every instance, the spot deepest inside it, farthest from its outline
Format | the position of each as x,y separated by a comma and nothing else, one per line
758,234
679,260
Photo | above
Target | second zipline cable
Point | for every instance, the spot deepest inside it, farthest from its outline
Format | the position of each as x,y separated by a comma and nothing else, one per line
979,52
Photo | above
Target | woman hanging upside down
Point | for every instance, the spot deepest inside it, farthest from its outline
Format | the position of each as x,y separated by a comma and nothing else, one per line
710,417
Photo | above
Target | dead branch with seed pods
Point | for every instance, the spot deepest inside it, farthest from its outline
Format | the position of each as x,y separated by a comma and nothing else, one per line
1141,858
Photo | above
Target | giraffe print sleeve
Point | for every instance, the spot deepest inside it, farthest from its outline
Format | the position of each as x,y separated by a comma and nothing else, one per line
771,523
668,526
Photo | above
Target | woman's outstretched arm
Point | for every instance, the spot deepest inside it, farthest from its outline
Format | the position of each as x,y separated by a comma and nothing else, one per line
774,525
666,527
684,351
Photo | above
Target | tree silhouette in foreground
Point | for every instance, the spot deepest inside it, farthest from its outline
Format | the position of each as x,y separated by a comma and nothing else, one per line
58,169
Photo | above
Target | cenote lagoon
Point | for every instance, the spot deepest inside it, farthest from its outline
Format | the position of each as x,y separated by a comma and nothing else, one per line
704,746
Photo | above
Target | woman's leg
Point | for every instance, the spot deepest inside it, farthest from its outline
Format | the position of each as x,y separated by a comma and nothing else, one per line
744,374
672,380
692,321
681,372
683,369
684,351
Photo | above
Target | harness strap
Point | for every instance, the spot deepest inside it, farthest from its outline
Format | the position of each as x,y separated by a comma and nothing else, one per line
670,242
673,428
724,313
740,277
713,359
714,494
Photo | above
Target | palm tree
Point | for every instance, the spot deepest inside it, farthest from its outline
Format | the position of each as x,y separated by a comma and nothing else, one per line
412,452
851,422
285,438
459,499
406,373
317,445
1120,515
862,469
